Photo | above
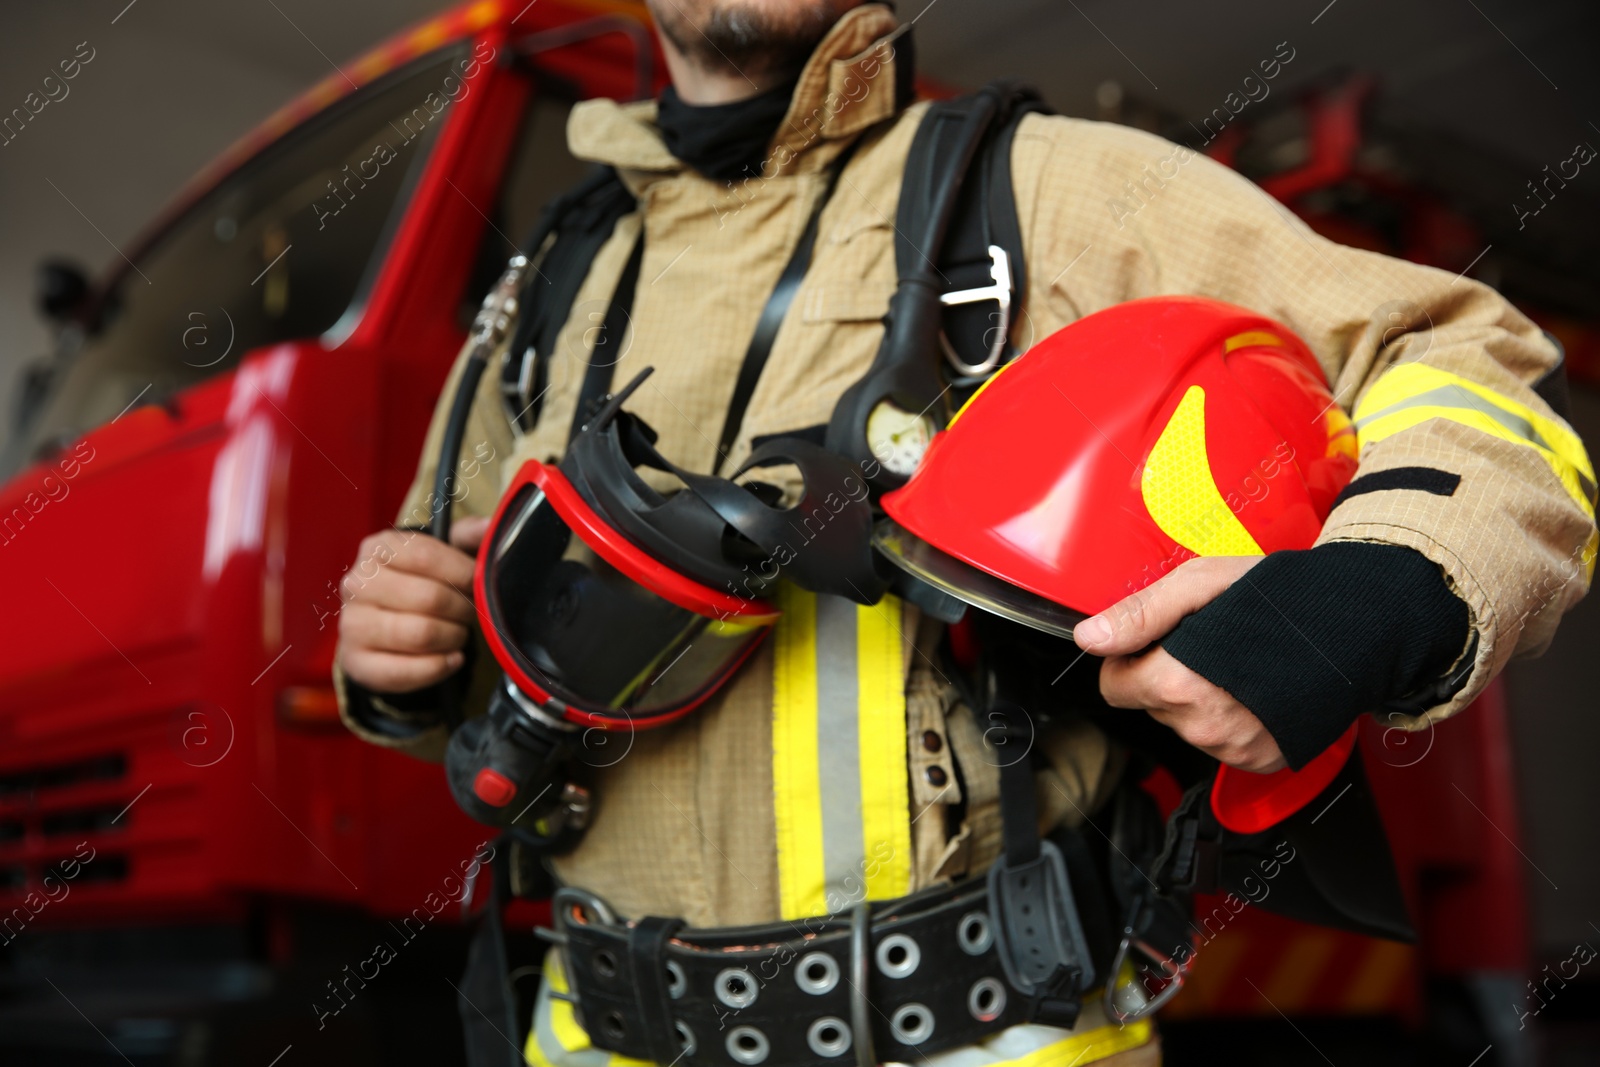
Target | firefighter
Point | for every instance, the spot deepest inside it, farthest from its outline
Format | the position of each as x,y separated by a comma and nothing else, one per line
1467,531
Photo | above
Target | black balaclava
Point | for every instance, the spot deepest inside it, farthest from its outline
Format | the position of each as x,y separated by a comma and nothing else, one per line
724,142
727,142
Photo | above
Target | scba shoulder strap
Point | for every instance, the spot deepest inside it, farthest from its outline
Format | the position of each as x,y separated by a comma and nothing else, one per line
960,266
574,225
980,262
958,238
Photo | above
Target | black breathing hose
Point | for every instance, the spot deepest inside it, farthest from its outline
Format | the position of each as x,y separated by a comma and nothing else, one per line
489,330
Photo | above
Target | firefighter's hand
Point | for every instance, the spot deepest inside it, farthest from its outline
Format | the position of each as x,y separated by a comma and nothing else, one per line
1135,675
408,607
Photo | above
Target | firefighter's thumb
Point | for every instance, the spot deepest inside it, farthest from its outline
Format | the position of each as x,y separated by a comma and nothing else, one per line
467,533
1147,616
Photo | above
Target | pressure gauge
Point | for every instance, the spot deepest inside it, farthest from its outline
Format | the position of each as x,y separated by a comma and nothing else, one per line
898,438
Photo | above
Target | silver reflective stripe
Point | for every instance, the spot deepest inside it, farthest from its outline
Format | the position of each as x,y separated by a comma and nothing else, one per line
838,748
1454,396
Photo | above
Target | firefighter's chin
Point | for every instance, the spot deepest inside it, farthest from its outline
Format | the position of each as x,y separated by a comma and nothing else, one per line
762,39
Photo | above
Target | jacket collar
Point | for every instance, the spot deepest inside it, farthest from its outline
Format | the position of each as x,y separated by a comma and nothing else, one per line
848,85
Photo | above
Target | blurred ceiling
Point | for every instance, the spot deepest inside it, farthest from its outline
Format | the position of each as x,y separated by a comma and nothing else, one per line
175,81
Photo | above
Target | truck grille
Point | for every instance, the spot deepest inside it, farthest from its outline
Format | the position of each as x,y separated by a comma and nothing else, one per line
45,809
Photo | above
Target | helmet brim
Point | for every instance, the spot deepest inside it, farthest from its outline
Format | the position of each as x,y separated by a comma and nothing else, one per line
967,583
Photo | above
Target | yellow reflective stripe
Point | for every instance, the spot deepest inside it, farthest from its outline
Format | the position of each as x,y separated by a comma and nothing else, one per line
1180,492
881,723
1084,1048
1252,338
556,1039
986,383
796,785
1413,393
840,798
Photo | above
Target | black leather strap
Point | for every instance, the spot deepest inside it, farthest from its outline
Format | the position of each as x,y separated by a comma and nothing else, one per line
486,1001
607,350
772,316
782,980
936,203
1019,808
647,954
986,214
582,219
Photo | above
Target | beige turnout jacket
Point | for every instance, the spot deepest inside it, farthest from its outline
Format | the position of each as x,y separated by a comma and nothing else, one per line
685,822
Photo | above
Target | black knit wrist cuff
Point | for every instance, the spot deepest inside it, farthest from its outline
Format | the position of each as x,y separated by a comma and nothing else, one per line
1310,640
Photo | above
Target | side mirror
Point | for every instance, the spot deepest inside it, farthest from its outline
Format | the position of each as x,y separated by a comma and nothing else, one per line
61,288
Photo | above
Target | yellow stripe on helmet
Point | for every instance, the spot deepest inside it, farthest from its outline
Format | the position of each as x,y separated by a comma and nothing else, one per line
1180,492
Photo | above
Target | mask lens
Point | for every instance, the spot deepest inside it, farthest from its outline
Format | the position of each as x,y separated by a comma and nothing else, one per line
589,634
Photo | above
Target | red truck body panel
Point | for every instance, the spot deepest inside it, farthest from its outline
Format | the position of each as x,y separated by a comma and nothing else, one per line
165,655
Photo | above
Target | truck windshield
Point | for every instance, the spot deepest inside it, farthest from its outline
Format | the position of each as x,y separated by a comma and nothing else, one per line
280,250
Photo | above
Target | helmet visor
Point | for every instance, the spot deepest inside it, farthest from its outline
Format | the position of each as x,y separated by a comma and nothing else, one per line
586,623
924,563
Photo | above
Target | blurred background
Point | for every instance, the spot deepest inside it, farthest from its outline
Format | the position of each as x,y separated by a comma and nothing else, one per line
166,727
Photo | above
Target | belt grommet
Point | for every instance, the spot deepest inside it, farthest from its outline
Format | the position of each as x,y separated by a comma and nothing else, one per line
911,1024
747,1045
986,1000
736,987
685,1037
677,981
898,956
974,934
829,1036
816,973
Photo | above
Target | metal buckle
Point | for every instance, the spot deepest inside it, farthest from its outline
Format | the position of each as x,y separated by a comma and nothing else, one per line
586,904
517,394
1000,293
1175,979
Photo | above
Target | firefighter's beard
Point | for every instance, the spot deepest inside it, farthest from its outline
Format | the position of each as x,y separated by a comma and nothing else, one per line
766,41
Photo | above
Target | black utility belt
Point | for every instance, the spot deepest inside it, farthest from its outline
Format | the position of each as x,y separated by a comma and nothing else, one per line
911,976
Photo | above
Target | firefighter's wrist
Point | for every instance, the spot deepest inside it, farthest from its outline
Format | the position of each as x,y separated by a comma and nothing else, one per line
404,716
1315,638
397,716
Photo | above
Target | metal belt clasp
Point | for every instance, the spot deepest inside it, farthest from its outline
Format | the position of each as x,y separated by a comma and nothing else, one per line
1000,292
1171,970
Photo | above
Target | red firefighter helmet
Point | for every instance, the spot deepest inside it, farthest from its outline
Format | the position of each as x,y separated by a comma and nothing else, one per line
1112,451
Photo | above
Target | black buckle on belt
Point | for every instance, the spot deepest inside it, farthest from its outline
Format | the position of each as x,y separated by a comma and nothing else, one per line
1038,936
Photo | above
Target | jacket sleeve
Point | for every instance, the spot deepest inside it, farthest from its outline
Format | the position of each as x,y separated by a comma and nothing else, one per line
409,722
1436,370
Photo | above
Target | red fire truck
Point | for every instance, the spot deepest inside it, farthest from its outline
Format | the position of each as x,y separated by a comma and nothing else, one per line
195,857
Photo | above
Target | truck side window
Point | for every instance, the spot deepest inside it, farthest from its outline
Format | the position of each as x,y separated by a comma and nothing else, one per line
280,250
